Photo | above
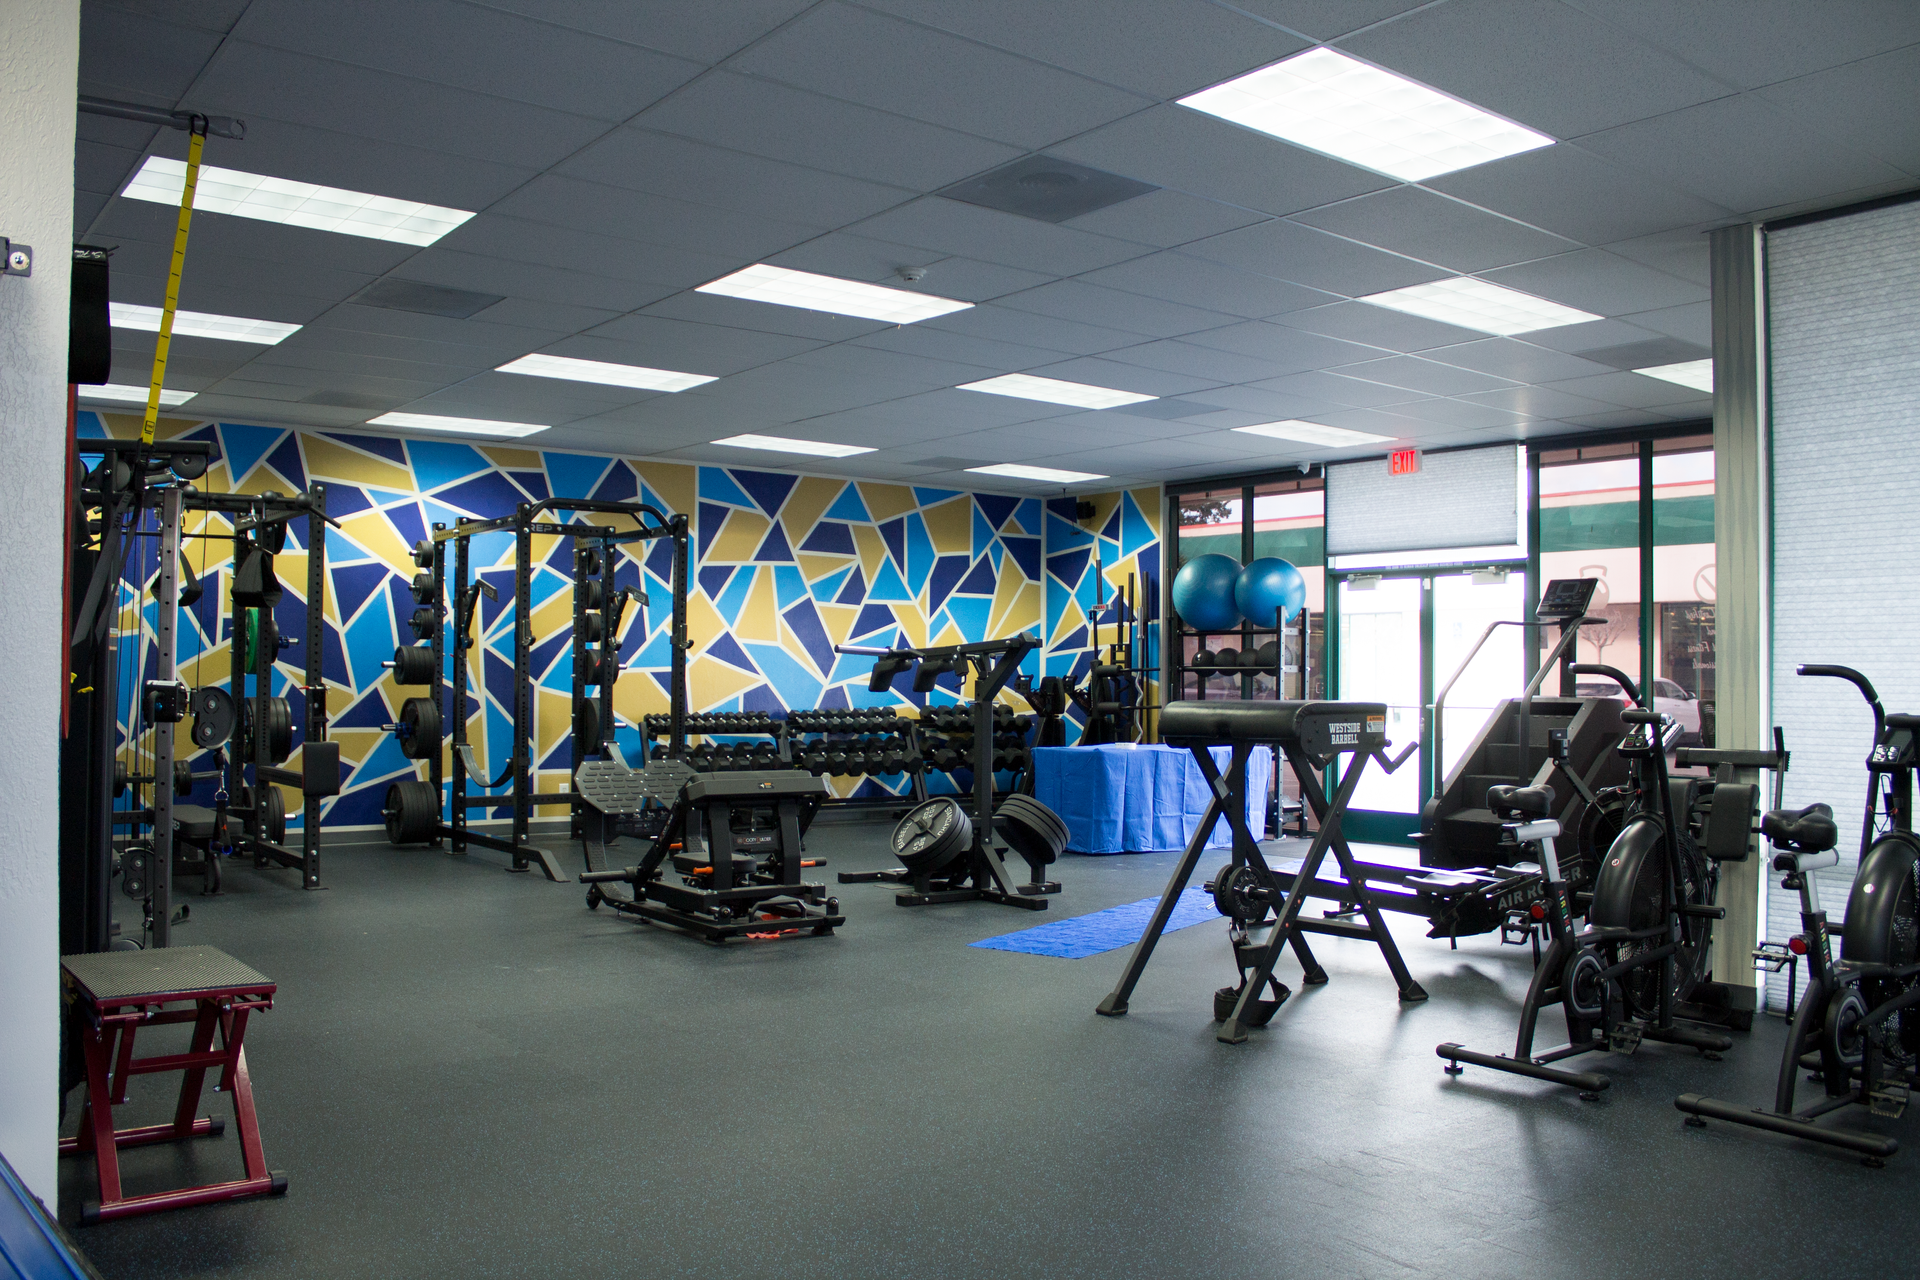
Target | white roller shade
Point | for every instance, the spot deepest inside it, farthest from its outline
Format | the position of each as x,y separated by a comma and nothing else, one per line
1466,498
1844,331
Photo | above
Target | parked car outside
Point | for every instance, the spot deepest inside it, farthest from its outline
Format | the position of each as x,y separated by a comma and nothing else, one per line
1668,698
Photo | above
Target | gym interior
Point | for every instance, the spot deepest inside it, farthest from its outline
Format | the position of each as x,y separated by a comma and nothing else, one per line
971,638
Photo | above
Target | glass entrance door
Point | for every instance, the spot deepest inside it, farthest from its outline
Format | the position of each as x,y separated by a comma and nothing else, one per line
1400,638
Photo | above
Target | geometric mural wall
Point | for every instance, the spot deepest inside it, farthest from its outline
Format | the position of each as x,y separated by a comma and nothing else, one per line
784,567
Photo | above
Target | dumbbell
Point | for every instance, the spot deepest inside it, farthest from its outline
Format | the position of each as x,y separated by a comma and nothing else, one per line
766,756
836,758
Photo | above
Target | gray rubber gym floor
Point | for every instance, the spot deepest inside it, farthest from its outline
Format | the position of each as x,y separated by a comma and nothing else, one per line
467,1073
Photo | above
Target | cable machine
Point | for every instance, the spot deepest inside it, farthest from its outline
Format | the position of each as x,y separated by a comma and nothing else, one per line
443,590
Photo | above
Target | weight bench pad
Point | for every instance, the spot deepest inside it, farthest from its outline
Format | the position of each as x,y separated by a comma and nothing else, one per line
193,822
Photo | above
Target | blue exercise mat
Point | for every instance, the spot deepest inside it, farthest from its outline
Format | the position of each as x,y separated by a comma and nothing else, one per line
1089,935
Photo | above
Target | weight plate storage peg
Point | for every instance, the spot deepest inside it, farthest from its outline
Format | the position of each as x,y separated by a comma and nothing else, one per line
1030,829
412,811
932,835
419,728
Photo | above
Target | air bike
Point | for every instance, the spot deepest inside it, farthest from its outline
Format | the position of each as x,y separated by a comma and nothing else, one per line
1627,976
1855,1031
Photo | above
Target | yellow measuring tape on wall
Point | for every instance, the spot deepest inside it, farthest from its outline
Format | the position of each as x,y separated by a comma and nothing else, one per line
197,137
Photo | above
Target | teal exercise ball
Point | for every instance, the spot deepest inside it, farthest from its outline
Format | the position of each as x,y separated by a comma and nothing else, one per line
1268,586
1203,592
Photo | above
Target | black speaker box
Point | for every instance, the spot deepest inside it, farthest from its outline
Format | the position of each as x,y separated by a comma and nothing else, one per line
89,331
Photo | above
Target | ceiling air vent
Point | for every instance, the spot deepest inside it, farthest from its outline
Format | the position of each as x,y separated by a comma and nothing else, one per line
1046,188
425,299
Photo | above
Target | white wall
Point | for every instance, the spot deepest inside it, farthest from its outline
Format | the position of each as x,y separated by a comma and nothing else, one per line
39,69
1844,306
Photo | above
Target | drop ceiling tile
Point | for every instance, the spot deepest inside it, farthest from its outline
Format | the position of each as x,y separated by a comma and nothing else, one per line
475,48
1433,228
1121,427
1458,413
1209,363
1538,402
1164,218
644,160
1377,327
145,233
86,208
1393,423
1622,390
762,317
1292,349
1741,152
1851,104
1515,360
505,398
1540,62
1099,372
1347,393
1269,406
1597,281
1596,335
516,279
102,169
271,412
930,76
918,339
767,119
507,340
543,317
254,389
140,57
1328,19
313,358
1184,150
1758,42
854,257
689,416
1690,323
1683,252
443,357
802,392
1574,193
858,364
1620,419
636,215
1414,374
1002,323
1091,304
516,240
321,94
706,33
1197,282
1289,251
1165,49
951,227
659,343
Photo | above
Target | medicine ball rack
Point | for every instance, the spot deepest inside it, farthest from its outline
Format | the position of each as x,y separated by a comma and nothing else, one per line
976,870
413,807
1293,639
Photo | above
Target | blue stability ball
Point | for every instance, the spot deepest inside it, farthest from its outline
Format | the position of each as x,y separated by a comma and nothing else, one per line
1203,592
1266,585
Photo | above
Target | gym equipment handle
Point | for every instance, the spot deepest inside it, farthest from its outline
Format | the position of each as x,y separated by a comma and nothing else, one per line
1858,681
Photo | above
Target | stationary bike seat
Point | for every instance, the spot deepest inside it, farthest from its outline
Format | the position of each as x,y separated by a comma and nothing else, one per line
1521,802
1808,830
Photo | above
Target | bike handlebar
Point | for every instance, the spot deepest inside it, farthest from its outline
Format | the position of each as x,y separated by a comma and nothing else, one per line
1858,681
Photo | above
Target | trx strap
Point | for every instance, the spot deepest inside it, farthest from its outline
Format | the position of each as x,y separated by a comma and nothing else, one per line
196,139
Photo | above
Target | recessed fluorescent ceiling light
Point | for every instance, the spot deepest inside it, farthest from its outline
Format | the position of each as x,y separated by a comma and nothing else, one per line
1340,106
135,395
198,324
613,375
780,444
297,204
1025,386
762,283
465,426
1020,471
1313,433
1697,374
1476,304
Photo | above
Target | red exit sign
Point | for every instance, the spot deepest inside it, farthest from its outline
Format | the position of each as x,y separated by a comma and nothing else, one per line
1403,462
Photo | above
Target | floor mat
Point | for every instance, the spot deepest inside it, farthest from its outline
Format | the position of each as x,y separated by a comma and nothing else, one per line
1089,935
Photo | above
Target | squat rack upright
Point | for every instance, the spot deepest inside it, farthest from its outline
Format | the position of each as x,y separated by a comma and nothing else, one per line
457,593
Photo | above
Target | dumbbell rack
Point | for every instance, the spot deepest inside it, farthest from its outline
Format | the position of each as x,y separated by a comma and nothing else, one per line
815,737
1299,632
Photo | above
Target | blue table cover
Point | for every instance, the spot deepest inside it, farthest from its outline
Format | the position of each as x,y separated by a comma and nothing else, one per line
1135,797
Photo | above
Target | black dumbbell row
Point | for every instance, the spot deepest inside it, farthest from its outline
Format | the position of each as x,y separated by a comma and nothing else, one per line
959,719
654,726
855,720
949,755
870,755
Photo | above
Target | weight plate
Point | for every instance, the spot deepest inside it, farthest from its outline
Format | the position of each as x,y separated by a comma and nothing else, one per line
413,665
423,554
421,587
589,561
136,868
592,592
1232,895
279,718
213,716
419,728
273,815
586,726
422,623
119,778
412,811
182,779
1031,829
592,627
932,835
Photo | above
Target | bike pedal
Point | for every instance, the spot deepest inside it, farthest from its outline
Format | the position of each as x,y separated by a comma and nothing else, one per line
1624,1039
1888,1100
